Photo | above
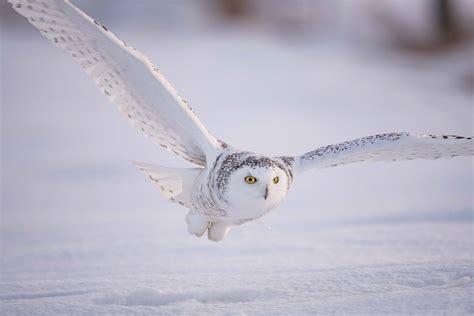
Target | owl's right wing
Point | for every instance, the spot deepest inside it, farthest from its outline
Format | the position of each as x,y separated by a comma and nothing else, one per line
385,147
125,76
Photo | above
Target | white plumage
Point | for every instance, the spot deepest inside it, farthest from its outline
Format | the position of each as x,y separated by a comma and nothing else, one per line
125,76
387,147
229,186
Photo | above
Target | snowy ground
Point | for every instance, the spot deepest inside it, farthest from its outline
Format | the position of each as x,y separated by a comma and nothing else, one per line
83,232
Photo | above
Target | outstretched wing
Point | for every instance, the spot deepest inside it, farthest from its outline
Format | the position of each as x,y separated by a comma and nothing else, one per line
125,76
386,147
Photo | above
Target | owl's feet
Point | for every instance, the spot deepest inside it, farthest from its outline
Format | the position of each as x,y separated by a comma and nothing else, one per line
218,231
197,224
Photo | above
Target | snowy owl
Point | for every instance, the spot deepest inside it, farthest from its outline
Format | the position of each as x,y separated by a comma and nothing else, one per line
228,186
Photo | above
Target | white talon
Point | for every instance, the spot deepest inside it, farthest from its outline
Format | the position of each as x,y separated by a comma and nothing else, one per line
197,224
218,231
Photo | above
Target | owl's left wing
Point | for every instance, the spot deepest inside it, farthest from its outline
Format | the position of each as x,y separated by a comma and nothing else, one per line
384,147
125,76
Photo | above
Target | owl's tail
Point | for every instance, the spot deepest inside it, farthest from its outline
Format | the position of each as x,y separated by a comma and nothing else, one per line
174,183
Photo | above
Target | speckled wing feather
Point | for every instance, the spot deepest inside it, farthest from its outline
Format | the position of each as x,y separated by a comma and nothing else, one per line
386,147
175,184
125,76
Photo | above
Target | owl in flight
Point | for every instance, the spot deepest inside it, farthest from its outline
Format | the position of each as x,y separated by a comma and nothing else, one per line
228,186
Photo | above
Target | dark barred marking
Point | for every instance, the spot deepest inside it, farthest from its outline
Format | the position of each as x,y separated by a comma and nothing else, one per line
334,149
450,136
207,203
162,188
223,144
287,160
238,160
387,147
243,221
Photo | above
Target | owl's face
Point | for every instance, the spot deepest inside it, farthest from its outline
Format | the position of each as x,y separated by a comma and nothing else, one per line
259,184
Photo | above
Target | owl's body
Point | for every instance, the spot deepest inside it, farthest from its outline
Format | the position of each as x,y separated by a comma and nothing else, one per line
228,187
218,195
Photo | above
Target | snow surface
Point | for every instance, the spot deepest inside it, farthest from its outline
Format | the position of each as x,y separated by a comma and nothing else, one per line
82,232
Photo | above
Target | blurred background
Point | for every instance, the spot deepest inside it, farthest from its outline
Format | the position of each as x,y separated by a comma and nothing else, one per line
273,76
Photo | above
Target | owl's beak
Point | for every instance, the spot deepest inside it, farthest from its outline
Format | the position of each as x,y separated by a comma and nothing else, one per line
266,193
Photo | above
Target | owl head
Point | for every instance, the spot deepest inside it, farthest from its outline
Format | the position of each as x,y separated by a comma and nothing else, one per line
254,183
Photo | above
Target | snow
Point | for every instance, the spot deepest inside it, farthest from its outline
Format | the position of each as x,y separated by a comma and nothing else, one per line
82,232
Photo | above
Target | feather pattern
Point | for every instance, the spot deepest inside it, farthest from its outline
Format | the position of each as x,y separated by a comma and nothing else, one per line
175,184
386,147
125,76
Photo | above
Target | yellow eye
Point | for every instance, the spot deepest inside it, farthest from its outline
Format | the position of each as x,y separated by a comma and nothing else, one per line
250,179
276,180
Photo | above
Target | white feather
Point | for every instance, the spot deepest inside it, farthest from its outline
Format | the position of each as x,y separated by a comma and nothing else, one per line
386,147
175,184
126,76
